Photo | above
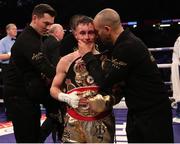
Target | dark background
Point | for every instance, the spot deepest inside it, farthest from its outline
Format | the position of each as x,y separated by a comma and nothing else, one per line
19,11
144,12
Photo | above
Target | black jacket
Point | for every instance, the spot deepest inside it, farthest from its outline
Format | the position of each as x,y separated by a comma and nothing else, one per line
51,49
29,68
134,66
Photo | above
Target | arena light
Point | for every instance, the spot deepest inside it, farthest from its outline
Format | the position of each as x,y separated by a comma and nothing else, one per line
132,23
165,25
176,20
166,21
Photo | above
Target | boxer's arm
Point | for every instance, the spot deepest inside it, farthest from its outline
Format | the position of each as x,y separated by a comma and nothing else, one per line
58,79
71,99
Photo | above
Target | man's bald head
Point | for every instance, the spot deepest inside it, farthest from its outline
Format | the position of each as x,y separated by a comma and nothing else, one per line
57,31
54,27
108,17
108,25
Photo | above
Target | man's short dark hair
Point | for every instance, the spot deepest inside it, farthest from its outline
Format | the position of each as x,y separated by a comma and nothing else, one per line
40,9
80,19
74,19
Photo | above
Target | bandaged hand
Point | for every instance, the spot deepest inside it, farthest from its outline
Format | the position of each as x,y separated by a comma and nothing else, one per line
98,103
9,53
71,99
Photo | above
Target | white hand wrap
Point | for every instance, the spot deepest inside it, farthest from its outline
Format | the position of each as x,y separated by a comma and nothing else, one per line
72,99
9,53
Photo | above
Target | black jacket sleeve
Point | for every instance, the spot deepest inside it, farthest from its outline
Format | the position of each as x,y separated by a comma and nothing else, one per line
94,67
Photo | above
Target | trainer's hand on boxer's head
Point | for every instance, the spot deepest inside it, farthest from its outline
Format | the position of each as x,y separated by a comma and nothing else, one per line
84,48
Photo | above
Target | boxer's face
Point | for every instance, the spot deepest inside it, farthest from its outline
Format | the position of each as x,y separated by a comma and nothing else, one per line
85,32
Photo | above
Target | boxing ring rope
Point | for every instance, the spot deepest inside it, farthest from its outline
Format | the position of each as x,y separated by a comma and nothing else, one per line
122,104
167,65
161,49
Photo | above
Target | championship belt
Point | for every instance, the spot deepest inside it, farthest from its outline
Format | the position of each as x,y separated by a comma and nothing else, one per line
84,112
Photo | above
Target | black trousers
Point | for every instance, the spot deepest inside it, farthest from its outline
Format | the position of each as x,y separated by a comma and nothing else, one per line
25,115
54,122
152,126
4,68
23,107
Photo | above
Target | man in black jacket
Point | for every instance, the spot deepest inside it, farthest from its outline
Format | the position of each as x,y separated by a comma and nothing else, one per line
54,109
149,116
29,73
